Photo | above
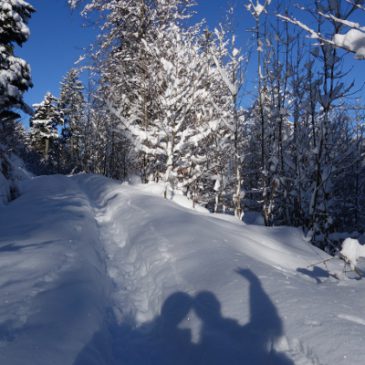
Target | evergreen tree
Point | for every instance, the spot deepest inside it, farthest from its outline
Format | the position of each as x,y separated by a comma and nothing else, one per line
15,79
44,125
14,72
72,105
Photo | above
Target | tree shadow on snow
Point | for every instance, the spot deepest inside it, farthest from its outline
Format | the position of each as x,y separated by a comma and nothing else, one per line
316,273
223,341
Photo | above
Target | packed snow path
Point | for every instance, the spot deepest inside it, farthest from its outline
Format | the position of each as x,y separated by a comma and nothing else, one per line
93,272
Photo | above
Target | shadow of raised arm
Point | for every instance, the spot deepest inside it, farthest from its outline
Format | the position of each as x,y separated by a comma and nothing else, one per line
264,317
247,274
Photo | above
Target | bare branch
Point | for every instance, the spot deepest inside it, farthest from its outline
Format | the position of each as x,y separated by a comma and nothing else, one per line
359,6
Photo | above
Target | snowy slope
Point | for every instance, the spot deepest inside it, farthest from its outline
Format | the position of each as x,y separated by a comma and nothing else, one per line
94,272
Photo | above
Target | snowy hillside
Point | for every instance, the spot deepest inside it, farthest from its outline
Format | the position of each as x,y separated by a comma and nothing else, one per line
93,272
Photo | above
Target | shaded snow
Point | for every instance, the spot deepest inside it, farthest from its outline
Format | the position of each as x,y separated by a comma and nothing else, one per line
52,276
95,272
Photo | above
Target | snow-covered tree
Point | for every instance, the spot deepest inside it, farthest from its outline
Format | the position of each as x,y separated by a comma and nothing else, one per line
122,65
182,118
15,79
44,125
257,10
324,138
229,62
152,79
72,105
14,72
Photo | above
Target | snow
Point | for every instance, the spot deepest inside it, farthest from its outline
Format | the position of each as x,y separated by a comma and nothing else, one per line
18,11
259,8
73,3
175,196
353,40
97,272
53,285
351,251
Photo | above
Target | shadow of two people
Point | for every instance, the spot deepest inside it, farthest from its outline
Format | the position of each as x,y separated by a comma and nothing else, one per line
222,340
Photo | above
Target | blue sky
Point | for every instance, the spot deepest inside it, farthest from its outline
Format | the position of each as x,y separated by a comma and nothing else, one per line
58,37
56,41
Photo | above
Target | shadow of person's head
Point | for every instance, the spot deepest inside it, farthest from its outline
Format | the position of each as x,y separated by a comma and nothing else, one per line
207,306
175,308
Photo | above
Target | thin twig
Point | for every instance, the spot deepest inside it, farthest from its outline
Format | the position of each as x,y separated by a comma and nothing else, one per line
321,262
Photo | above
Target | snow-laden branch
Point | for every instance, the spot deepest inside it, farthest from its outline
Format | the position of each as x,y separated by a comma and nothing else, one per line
353,41
135,131
313,34
258,9
233,88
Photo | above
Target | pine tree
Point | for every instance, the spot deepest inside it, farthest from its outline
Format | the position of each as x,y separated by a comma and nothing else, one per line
14,72
46,119
72,105
15,79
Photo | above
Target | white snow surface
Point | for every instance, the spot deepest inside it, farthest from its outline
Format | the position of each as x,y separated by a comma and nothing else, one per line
95,272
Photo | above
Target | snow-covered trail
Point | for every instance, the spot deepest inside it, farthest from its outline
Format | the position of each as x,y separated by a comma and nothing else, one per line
94,272
53,281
